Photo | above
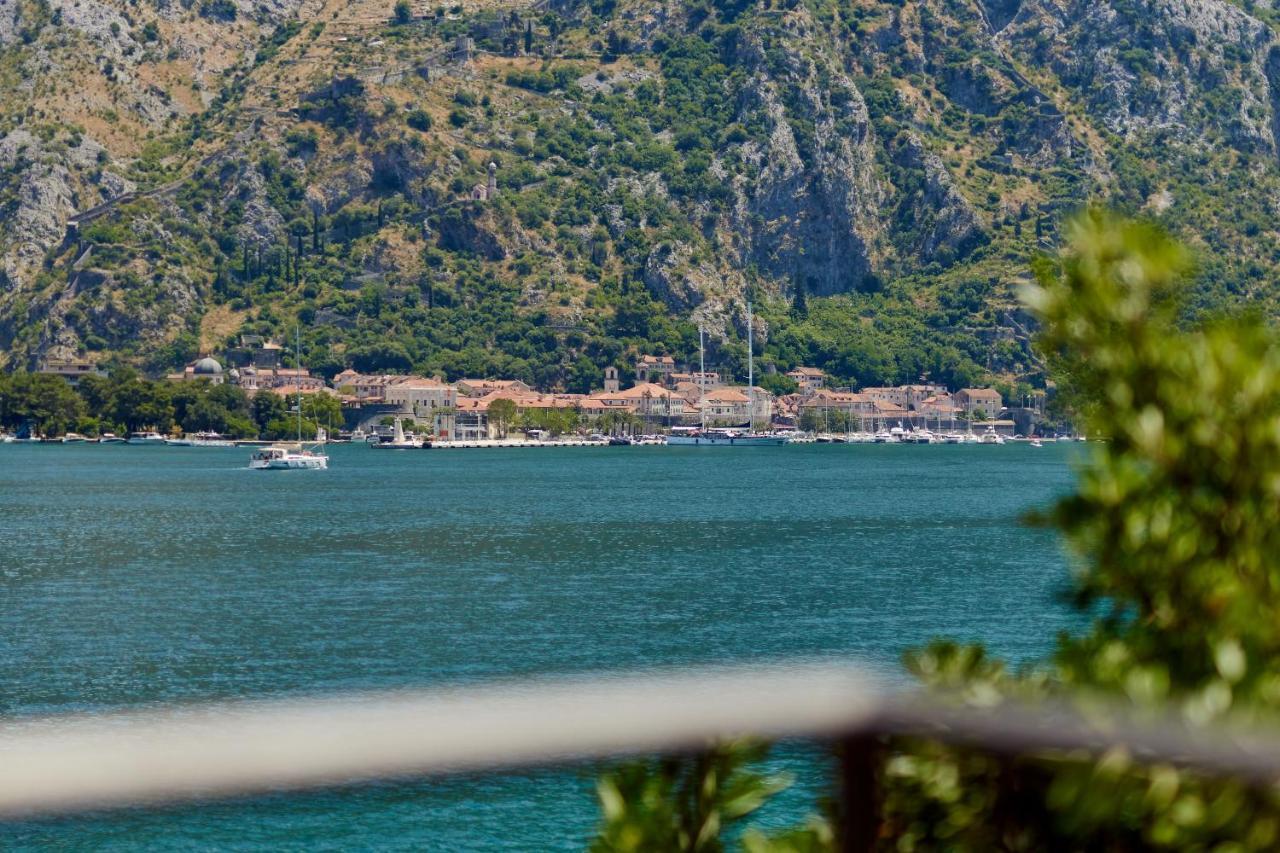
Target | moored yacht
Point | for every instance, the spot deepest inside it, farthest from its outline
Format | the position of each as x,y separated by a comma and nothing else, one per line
151,438
723,438
992,437
284,457
74,438
110,438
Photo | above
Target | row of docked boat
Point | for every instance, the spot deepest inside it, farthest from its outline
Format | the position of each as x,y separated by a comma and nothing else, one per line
898,435
153,439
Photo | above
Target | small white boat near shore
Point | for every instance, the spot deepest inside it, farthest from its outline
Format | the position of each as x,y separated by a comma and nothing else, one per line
287,457
154,439
201,439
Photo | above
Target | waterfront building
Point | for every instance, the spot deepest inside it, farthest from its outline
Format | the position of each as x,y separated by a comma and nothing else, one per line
896,395
914,395
471,420
883,412
984,401
808,378
370,388
725,406
645,399
424,398
471,414
938,407
842,401
904,396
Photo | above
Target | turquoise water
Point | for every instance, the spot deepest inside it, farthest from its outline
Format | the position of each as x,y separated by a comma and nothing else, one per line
139,575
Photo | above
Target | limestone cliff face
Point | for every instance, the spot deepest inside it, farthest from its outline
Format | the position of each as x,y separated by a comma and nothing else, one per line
1168,66
807,208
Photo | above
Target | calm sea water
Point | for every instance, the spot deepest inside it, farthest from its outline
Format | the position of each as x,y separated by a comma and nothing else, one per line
136,575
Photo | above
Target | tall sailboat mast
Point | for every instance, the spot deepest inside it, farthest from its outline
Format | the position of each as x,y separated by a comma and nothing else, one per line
751,378
702,379
297,378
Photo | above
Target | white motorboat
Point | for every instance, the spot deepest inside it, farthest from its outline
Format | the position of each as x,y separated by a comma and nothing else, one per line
208,438
285,457
110,438
1035,442
992,437
5,438
74,438
154,439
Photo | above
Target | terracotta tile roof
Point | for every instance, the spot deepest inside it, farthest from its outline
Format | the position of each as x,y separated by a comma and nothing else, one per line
289,390
726,395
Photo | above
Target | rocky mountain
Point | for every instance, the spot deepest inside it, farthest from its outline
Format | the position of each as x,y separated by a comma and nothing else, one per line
543,189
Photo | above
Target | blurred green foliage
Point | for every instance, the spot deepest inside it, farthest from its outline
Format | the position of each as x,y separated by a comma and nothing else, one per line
1175,528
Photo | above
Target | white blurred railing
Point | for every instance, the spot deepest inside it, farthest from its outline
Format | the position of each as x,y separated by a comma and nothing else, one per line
62,765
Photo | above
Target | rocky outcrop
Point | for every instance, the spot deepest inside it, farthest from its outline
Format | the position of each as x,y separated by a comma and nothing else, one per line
672,277
43,197
811,214
1176,67
943,222
462,229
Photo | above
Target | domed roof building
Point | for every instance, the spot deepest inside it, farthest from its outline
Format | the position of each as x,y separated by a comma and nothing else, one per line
207,367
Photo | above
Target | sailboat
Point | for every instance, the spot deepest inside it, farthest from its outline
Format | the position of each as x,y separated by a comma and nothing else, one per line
398,441
285,457
716,437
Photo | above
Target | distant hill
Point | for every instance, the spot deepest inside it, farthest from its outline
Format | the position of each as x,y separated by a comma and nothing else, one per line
875,175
